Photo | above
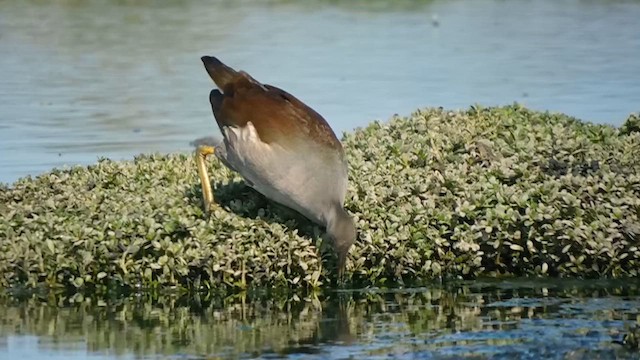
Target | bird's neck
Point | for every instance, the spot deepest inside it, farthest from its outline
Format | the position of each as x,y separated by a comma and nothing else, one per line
332,217
339,225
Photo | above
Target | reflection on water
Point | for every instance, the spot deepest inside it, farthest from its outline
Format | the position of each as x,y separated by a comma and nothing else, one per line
508,319
85,79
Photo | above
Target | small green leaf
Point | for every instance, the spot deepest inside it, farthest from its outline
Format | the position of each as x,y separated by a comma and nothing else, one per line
50,245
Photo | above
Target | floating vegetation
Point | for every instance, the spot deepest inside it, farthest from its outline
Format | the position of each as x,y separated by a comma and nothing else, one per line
632,124
441,194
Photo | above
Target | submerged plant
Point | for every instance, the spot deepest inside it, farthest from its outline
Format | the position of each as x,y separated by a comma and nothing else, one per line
487,191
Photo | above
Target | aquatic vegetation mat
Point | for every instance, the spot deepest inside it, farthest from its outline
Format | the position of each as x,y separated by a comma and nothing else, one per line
453,194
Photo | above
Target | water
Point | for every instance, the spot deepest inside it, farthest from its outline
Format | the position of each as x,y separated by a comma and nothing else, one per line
507,319
87,79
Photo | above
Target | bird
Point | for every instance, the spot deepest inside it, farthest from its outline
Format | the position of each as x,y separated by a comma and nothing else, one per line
282,148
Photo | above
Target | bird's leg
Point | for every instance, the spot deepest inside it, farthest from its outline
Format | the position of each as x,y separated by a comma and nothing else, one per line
201,156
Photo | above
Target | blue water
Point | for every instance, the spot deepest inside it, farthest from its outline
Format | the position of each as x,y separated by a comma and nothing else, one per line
89,79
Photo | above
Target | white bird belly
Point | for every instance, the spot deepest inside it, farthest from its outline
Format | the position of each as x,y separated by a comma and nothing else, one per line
307,182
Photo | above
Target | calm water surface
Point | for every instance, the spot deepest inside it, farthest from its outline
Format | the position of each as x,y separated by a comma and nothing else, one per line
474,320
87,79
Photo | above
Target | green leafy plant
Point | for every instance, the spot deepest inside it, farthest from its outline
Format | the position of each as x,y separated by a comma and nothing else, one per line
502,191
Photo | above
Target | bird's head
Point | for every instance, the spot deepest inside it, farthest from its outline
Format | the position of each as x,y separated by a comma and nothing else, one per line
342,232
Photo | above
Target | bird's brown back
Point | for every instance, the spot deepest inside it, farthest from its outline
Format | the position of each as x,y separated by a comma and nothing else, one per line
277,115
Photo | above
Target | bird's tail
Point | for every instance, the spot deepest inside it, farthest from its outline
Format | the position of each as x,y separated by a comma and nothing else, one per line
220,73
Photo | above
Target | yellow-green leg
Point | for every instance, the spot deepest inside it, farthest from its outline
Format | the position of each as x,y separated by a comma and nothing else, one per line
201,157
